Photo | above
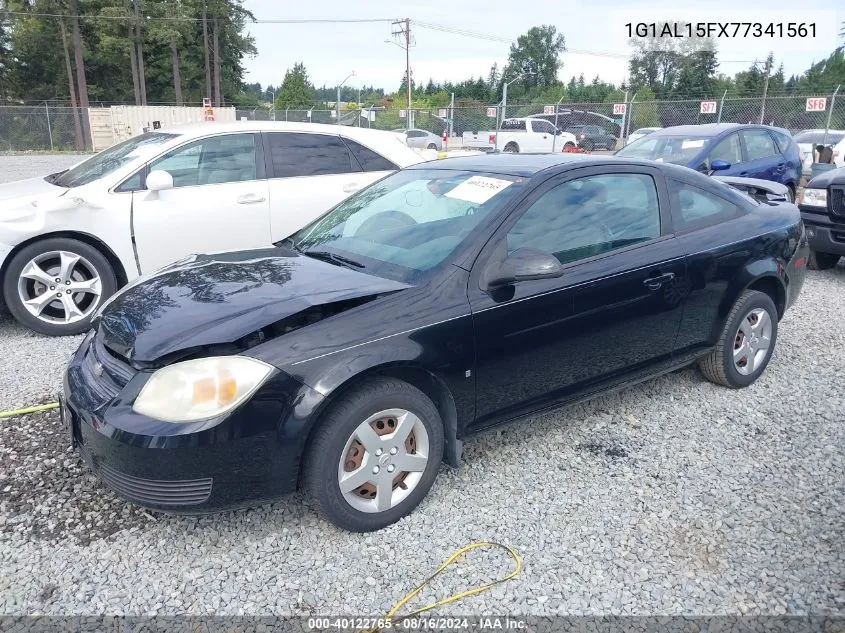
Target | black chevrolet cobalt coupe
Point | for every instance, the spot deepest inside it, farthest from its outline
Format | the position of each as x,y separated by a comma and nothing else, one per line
354,357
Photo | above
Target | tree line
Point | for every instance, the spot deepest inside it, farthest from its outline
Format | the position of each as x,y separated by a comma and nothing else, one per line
656,71
122,51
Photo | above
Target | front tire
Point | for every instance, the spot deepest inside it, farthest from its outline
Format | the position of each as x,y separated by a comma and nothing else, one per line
374,456
432,146
746,343
821,261
55,286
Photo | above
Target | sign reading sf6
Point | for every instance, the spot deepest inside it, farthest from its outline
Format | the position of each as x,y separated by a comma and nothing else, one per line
619,108
816,104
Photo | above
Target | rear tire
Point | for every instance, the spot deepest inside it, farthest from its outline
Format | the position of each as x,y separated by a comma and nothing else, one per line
512,148
354,443
431,146
746,343
86,279
821,261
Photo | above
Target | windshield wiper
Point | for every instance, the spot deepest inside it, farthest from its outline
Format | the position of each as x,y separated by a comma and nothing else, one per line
333,258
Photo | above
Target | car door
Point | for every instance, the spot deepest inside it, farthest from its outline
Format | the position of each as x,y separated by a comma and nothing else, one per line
728,149
219,201
762,157
613,312
310,173
542,134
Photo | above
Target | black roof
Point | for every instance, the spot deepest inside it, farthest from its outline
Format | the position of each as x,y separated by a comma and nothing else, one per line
530,164
520,164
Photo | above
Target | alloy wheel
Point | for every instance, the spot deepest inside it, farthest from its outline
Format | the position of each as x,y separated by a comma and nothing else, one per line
752,341
383,460
59,287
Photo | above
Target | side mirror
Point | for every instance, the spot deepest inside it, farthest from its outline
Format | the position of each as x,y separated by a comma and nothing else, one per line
525,264
159,180
719,165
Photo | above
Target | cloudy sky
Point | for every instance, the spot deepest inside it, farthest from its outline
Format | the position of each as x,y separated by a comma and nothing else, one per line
595,34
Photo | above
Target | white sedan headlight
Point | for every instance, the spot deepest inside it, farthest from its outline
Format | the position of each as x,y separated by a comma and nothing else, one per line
815,197
200,389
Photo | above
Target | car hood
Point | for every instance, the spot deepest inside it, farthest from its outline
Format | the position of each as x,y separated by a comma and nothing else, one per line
220,299
827,178
24,192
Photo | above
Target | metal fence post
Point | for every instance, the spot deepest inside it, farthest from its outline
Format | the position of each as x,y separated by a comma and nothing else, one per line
627,121
830,113
721,105
557,107
50,128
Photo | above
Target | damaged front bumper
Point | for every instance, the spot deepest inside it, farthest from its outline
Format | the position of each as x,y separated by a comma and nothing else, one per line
248,455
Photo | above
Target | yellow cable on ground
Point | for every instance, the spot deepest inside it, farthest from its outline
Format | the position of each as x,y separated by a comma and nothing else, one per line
40,407
391,615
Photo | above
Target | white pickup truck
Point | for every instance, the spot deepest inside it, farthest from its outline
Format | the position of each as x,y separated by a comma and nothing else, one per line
524,134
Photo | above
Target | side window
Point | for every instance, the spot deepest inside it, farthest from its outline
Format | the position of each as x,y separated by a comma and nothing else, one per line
367,158
590,216
297,154
758,144
214,160
542,127
728,149
782,140
133,183
415,134
697,208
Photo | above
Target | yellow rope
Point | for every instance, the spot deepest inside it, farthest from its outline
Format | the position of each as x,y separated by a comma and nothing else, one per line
391,615
40,407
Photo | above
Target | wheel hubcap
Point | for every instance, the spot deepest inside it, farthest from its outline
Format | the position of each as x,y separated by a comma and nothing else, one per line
752,341
383,461
59,287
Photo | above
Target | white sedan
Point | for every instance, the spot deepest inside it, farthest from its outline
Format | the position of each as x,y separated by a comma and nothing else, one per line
71,239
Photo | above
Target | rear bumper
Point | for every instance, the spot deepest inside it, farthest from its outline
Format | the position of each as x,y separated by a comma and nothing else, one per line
824,235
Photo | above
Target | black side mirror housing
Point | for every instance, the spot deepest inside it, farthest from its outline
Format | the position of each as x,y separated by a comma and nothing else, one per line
524,264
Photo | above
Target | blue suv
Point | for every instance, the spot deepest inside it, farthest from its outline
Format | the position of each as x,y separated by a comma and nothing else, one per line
753,151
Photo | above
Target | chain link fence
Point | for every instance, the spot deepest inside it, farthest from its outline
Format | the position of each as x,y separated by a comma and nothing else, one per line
47,127
41,128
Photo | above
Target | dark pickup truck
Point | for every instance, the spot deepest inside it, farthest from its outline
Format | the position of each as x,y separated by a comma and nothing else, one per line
823,211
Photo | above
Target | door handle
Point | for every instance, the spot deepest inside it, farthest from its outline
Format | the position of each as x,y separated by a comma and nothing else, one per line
743,173
654,283
250,198
351,187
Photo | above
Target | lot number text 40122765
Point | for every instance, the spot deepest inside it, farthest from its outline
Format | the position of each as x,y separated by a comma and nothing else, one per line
721,29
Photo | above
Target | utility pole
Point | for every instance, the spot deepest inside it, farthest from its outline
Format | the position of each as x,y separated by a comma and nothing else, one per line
403,28
767,69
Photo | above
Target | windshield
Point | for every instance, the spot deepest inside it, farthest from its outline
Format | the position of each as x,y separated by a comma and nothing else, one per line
668,149
111,159
819,137
408,222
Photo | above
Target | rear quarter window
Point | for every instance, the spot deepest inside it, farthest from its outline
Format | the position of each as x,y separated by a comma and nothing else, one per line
695,208
367,158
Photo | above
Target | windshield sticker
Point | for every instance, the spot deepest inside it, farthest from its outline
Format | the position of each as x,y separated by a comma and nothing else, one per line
478,189
694,143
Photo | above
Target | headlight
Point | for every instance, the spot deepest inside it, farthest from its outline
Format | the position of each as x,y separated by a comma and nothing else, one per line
200,389
815,197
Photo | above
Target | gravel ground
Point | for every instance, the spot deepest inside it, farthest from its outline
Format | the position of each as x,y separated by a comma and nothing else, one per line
674,497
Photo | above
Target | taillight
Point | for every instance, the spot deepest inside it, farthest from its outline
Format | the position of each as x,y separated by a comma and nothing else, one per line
492,139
